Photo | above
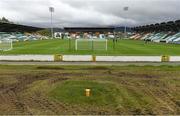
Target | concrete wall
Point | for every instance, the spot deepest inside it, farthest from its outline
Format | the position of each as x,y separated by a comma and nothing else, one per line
77,58
129,58
174,58
87,58
27,58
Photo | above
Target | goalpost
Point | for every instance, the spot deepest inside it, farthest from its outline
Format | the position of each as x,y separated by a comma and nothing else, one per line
91,44
5,44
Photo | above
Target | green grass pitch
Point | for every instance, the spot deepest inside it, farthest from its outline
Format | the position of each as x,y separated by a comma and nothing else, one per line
123,47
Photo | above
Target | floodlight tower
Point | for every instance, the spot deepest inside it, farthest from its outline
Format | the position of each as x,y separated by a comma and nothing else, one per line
126,8
51,10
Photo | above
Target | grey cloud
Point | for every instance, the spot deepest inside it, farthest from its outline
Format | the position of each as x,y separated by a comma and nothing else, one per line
90,12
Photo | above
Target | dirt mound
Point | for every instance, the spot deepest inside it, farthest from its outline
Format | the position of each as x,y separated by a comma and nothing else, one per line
140,91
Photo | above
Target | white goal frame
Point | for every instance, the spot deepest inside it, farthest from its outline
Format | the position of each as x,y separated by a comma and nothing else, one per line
6,44
92,41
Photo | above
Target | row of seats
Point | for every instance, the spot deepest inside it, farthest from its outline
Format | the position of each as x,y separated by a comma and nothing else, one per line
21,37
168,32
164,26
167,37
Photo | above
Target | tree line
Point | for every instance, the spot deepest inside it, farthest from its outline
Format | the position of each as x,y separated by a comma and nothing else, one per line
5,20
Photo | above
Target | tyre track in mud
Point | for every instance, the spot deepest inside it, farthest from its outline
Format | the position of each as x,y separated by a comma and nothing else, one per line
29,105
46,106
10,94
17,105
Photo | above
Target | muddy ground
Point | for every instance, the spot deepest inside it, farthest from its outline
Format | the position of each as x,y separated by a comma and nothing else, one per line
19,94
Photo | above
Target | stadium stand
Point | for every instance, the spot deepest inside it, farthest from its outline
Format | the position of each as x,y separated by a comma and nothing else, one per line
168,32
18,32
89,32
18,36
11,27
95,32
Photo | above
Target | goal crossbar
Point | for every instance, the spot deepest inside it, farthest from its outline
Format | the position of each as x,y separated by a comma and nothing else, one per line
91,44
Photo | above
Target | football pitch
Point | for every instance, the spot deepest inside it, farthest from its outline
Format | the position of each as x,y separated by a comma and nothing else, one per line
122,47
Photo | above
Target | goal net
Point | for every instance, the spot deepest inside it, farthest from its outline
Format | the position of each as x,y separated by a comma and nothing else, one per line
5,44
91,44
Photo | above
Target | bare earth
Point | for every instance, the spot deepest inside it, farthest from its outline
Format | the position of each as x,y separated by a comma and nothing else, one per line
143,90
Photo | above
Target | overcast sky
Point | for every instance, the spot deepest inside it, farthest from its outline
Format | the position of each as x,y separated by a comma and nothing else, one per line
90,12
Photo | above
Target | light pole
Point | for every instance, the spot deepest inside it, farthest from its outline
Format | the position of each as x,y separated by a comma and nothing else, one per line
51,10
125,28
